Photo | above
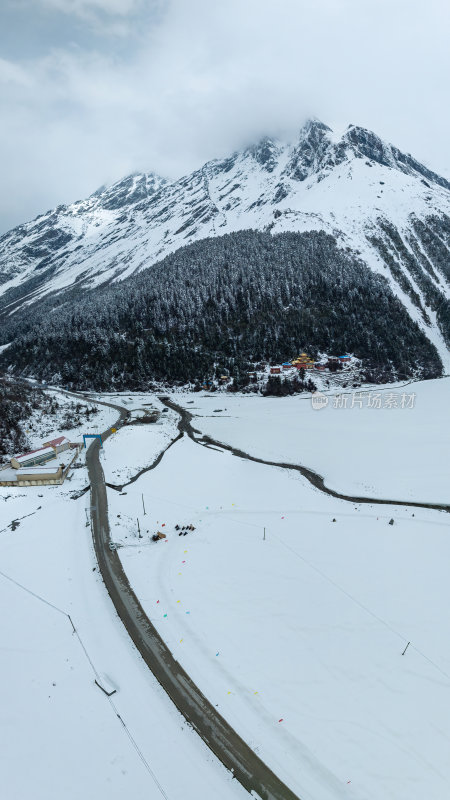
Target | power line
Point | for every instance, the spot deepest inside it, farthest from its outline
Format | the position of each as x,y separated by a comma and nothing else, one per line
112,704
334,583
361,605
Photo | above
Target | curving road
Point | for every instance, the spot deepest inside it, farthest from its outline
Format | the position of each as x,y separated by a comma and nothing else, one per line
219,736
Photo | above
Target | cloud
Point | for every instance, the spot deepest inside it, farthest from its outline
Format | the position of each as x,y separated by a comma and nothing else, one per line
85,8
204,77
13,74
108,18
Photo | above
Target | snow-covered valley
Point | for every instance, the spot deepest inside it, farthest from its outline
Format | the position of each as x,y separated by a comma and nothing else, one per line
224,391
390,442
290,609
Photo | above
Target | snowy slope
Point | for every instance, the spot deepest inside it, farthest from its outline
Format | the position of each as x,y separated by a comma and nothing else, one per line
372,198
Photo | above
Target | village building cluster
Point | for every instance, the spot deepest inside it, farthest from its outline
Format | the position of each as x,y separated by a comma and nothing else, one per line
263,369
34,468
304,361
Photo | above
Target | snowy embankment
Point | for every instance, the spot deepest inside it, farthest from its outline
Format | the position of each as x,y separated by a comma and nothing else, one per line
388,452
298,638
61,736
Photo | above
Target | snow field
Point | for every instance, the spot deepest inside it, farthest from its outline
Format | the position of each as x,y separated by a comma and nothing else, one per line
60,735
393,453
298,639
136,446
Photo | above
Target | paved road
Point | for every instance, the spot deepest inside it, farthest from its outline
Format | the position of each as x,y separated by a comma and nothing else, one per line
185,426
224,742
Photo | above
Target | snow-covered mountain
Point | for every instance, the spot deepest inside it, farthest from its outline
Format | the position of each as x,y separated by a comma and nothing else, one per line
373,199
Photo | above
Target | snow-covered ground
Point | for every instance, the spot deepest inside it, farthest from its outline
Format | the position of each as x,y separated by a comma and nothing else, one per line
137,445
389,452
297,637
60,736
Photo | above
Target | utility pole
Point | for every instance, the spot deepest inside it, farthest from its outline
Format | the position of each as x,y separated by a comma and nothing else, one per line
264,537
139,530
143,506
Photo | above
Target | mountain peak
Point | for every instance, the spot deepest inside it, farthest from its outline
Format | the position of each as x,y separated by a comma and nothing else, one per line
129,190
266,152
310,152
366,144
312,126
348,186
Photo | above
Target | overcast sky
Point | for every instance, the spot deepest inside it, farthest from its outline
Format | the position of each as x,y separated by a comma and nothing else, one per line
91,90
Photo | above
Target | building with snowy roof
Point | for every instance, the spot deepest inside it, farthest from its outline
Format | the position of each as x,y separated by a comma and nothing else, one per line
40,473
35,457
59,444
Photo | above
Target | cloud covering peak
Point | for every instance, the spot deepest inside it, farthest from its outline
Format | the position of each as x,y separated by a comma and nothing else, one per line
116,86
